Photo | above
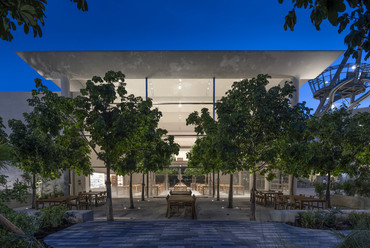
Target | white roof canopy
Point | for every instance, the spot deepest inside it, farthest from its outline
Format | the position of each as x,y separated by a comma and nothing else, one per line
179,82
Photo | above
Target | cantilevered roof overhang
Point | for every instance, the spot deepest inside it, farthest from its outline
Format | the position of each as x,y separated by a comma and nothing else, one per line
82,65
179,82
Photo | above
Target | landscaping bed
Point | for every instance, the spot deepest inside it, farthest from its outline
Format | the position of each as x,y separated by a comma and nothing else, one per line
35,226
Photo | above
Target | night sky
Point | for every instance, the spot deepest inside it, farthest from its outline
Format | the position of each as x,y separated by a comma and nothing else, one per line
165,25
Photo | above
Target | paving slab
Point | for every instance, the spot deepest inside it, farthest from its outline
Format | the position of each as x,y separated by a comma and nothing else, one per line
189,233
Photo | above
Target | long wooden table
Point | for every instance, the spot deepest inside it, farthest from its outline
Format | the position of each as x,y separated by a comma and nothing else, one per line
57,200
181,200
269,194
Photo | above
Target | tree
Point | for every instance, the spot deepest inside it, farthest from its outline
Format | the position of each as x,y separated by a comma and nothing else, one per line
250,119
339,139
117,131
3,143
42,145
152,151
19,190
157,151
339,13
205,152
29,13
292,146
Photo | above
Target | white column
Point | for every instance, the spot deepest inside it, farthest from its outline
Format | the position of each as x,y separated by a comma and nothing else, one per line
267,184
295,98
64,86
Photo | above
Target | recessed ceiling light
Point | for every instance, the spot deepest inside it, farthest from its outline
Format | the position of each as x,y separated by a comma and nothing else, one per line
180,87
180,105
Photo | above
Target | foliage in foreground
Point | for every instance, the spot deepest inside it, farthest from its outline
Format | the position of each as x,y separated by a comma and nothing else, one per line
27,13
50,217
334,219
28,224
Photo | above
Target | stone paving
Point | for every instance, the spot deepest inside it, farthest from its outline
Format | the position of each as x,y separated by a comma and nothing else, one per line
215,226
189,233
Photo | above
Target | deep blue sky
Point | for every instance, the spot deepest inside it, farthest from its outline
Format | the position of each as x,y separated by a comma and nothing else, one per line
165,25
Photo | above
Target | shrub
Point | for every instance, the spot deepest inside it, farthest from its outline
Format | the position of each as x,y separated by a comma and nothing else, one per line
362,184
311,219
349,188
28,224
319,189
53,216
336,187
360,221
320,220
356,239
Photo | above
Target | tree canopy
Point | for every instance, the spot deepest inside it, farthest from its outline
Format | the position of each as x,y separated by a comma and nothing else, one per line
29,13
251,117
339,13
44,143
339,138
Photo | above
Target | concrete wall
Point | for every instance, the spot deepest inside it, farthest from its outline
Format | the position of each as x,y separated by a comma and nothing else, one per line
13,105
350,202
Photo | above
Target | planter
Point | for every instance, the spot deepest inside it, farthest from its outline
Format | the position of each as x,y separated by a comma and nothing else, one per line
352,202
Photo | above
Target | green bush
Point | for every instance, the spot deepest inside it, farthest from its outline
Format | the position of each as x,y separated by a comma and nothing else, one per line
360,221
310,219
319,189
356,239
362,184
28,224
320,220
349,188
53,216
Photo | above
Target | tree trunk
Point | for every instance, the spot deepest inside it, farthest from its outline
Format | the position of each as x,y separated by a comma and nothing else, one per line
328,190
10,226
213,183
109,195
209,184
253,198
291,185
131,195
143,188
147,184
231,191
33,191
218,186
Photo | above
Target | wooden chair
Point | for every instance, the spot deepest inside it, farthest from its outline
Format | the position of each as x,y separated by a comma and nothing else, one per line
173,207
281,202
292,203
190,206
84,201
73,203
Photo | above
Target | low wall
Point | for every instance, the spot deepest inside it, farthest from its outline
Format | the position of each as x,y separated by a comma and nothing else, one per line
74,216
353,202
286,216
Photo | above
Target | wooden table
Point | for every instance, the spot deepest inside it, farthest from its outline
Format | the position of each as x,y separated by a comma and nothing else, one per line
57,200
181,200
185,192
269,194
93,194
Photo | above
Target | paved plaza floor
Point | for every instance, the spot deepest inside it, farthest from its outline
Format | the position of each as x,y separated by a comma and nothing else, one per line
189,233
215,226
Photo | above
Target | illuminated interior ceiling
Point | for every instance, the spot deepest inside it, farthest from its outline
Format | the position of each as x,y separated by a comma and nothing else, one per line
179,82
